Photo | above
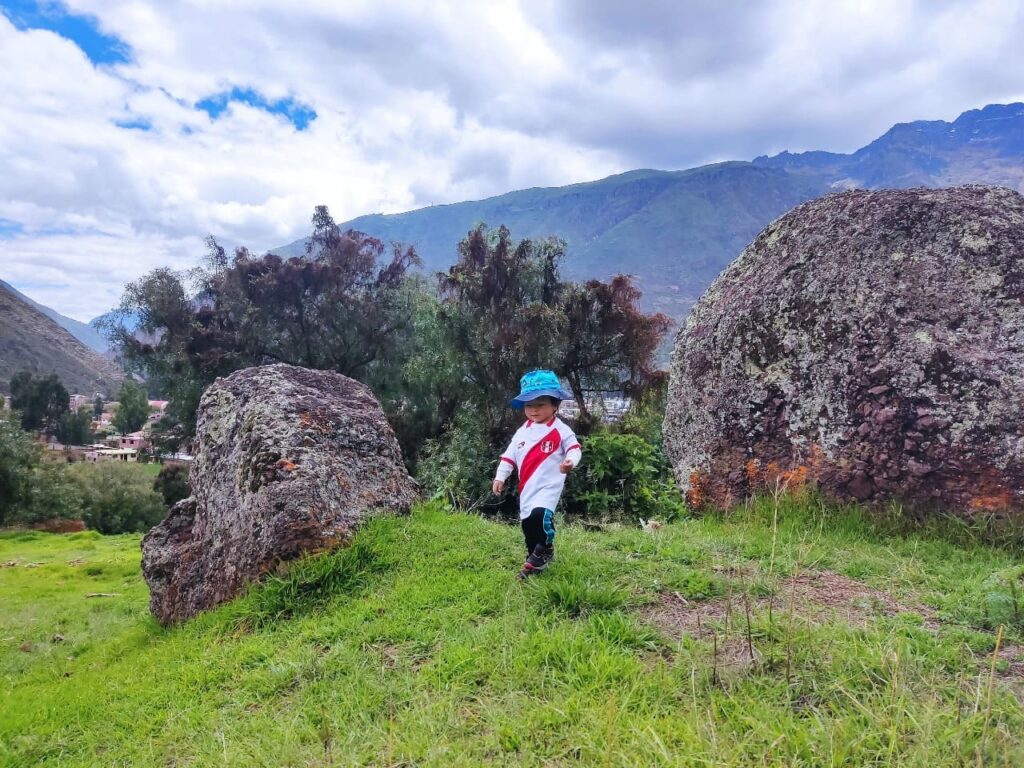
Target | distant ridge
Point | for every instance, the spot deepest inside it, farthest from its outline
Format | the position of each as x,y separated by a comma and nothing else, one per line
31,340
676,230
85,333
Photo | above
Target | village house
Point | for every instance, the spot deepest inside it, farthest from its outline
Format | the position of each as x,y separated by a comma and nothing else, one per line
137,441
156,409
111,454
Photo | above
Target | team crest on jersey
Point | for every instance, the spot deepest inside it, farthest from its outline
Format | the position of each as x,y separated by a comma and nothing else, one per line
547,446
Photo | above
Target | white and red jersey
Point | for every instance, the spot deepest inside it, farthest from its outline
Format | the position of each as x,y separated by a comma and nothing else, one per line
535,452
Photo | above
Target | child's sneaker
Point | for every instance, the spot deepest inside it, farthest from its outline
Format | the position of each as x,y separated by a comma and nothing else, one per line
526,571
542,555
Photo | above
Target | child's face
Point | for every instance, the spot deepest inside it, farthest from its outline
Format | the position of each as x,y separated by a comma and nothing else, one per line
540,410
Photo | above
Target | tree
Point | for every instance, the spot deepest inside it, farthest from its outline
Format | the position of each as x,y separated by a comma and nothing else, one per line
154,331
42,400
18,455
75,428
116,497
500,316
97,407
133,409
505,310
343,306
610,343
172,483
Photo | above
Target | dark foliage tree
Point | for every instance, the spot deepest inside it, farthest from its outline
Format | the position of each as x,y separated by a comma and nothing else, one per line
133,407
41,400
97,407
500,314
505,310
345,306
152,332
609,344
172,484
75,428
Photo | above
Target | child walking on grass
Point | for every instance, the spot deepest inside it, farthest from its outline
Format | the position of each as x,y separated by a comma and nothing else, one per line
544,450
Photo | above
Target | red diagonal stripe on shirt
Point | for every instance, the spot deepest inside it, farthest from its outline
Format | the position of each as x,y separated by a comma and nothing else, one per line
534,457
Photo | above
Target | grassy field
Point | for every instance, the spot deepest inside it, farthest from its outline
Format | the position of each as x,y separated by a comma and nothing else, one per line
417,647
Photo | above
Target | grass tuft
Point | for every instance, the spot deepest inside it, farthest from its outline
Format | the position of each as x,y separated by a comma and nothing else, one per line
309,584
577,595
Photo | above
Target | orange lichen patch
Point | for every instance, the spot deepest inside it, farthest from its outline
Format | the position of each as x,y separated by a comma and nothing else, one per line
317,421
696,496
995,500
287,465
771,475
795,478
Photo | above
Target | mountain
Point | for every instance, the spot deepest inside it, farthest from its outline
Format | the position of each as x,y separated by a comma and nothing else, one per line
86,334
981,146
676,230
29,339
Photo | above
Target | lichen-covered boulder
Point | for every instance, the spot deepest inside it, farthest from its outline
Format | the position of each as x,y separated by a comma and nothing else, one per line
872,342
289,461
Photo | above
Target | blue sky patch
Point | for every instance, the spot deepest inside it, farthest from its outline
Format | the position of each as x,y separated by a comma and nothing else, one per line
137,124
9,228
83,31
297,113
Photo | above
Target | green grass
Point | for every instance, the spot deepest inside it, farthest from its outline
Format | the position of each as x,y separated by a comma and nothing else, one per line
152,469
417,647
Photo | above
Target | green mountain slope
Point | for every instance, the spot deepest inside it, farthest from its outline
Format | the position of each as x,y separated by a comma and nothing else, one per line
85,333
676,230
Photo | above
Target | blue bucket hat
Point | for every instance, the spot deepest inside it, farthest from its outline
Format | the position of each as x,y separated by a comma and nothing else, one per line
536,384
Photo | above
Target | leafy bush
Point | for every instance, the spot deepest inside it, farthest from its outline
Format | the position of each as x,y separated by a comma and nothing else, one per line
18,455
622,476
117,497
458,466
172,484
51,495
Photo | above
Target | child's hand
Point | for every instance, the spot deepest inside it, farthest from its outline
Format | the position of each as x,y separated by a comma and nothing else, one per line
565,467
497,487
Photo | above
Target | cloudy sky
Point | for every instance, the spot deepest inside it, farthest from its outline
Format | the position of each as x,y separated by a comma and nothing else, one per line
129,130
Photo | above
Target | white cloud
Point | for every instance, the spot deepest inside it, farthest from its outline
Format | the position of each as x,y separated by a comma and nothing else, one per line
422,103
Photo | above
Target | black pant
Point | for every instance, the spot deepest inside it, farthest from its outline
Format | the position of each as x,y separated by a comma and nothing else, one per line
539,528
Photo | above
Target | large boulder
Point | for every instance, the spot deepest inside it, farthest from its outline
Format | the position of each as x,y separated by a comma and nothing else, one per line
872,342
289,462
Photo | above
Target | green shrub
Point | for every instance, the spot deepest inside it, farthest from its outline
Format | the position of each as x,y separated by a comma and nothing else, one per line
51,494
458,467
622,476
18,456
117,497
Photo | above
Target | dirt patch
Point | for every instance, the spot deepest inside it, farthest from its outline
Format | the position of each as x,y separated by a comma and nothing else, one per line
815,596
60,525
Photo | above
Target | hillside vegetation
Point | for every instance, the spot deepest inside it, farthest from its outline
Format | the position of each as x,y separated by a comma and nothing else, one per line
417,647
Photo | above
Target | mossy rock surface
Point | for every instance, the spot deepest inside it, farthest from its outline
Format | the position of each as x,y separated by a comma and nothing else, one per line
872,342
289,461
